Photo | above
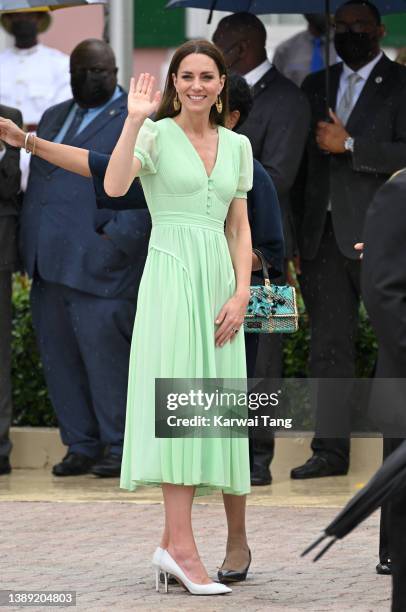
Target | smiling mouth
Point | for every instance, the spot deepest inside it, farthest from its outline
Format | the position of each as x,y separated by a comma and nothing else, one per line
196,98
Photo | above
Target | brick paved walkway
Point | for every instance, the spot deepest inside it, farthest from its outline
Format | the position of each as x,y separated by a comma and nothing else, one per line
102,550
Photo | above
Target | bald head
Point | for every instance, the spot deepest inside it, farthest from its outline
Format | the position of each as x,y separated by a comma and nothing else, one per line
93,73
93,50
242,38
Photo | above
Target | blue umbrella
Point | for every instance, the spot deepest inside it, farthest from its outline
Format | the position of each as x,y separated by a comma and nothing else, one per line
263,7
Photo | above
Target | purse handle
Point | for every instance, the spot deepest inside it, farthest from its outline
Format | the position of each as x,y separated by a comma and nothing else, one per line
264,264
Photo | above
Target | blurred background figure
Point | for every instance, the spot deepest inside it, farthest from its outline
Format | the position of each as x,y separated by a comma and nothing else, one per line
9,208
33,77
277,127
304,53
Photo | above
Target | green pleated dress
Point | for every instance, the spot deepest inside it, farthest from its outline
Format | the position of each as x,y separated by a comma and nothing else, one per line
187,278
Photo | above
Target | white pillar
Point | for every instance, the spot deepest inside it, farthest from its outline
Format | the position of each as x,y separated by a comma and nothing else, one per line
120,30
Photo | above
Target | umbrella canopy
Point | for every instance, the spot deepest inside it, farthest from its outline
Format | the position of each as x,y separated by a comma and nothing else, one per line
385,484
263,7
13,6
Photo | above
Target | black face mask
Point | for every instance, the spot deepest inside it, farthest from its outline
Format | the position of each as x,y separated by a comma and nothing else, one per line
24,29
354,48
91,90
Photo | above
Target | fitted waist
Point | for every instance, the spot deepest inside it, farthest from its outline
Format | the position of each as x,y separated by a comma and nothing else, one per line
188,220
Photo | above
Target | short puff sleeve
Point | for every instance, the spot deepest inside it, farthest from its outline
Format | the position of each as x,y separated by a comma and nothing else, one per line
246,169
147,148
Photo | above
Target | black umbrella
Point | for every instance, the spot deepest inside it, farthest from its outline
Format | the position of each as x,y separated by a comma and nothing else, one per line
383,486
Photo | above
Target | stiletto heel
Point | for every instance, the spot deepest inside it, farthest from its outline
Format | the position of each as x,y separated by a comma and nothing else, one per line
169,566
157,579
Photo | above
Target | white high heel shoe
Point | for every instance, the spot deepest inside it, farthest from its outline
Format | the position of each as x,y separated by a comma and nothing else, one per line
156,562
169,566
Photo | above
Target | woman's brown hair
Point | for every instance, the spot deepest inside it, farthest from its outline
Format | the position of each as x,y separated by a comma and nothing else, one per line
166,108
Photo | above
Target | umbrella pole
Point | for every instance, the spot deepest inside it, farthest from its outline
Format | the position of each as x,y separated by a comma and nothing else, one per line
327,56
213,6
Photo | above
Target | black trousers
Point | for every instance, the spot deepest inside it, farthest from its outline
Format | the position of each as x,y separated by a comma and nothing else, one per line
84,342
330,285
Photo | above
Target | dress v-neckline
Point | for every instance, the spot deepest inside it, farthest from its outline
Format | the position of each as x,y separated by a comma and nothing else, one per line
208,176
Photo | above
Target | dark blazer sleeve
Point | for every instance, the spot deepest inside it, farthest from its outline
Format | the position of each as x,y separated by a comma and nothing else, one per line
127,228
9,166
134,198
265,220
285,139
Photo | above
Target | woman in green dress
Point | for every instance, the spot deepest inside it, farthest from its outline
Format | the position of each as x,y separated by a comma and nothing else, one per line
195,289
194,293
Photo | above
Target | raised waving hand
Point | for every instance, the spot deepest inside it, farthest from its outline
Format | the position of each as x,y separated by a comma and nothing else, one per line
141,101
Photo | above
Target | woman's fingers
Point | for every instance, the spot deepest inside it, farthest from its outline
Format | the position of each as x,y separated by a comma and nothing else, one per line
150,85
140,83
132,85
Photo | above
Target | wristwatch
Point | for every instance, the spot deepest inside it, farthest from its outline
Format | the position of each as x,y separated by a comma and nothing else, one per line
349,144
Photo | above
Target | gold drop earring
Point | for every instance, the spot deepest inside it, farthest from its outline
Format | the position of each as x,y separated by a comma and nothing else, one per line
219,105
176,103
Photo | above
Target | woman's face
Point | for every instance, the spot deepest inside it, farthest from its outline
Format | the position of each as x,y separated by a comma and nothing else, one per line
198,82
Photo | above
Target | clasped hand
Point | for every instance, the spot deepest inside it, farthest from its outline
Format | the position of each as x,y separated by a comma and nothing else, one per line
141,102
231,317
330,137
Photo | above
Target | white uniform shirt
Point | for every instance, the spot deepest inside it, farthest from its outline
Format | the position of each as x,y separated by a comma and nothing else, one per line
32,80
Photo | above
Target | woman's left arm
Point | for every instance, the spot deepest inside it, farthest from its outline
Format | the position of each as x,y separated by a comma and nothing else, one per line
238,235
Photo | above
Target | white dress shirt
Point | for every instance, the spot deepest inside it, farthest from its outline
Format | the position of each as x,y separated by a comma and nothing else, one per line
253,76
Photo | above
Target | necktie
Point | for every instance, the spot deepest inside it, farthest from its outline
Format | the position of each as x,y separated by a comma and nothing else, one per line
317,62
346,104
75,125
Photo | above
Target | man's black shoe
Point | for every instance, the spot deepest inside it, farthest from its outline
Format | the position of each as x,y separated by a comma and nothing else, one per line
73,464
384,568
316,467
108,467
5,467
260,476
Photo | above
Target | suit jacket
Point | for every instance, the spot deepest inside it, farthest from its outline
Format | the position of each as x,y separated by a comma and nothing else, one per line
61,225
378,125
384,294
10,169
277,127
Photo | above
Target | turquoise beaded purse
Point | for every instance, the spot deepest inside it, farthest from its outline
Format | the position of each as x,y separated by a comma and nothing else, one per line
272,308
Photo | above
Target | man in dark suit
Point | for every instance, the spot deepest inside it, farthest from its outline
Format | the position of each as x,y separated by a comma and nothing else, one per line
346,161
9,209
384,293
277,127
84,289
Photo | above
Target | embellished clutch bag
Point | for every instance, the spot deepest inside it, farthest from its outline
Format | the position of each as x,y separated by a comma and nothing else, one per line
272,308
